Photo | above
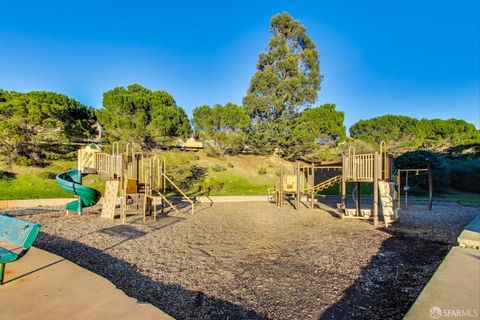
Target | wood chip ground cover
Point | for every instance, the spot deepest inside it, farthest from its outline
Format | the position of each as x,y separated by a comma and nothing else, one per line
255,261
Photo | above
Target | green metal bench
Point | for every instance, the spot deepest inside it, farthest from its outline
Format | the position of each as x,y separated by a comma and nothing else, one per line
19,233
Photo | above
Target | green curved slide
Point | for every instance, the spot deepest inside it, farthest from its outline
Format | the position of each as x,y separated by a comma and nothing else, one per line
71,181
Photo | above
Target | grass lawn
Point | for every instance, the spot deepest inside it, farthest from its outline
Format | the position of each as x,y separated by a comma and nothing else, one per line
234,184
39,183
460,197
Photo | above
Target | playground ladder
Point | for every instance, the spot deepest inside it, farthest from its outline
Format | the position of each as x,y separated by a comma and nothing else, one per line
324,185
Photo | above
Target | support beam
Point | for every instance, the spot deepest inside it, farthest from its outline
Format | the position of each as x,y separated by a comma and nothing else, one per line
357,199
162,184
399,179
376,169
282,173
298,191
311,183
2,271
430,185
343,186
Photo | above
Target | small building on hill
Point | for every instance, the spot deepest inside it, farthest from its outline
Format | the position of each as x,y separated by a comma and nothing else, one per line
191,144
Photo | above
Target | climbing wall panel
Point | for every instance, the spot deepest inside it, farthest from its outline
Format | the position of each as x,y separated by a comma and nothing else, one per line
110,199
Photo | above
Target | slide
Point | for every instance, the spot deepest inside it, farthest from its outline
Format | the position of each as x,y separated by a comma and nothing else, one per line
71,181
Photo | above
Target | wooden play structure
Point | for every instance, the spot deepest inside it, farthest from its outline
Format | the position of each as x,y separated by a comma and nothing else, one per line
139,180
357,169
301,181
374,168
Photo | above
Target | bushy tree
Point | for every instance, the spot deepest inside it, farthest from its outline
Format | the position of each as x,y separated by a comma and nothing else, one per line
405,133
401,130
224,125
32,123
445,133
464,175
287,78
417,160
138,114
315,128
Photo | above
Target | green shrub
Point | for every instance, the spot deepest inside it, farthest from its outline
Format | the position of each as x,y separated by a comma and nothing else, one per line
465,176
211,184
6,175
230,165
47,175
211,151
262,170
218,168
23,161
181,169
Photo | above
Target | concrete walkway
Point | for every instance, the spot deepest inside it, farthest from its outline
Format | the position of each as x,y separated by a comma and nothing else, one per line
218,199
453,292
42,285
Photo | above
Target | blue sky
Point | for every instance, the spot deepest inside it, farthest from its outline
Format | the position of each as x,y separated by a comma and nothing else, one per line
417,58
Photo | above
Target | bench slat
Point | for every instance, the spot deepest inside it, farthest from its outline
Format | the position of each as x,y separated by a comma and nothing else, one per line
7,255
19,232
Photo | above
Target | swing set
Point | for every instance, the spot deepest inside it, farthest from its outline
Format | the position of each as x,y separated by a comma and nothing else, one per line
406,188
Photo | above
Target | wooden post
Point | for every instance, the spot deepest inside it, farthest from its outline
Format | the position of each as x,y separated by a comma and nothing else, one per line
375,188
343,185
298,191
144,208
406,188
162,183
430,185
399,179
390,167
123,207
311,183
357,199
280,196
311,179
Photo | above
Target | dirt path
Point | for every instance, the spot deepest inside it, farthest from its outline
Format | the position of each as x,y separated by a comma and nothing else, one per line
252,260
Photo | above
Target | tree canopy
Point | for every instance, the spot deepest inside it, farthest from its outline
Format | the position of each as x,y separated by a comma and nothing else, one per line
32,121
315,127
287,78
138,114
225,125
406,133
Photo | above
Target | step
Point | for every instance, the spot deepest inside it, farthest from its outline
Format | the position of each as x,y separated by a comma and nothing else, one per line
470,236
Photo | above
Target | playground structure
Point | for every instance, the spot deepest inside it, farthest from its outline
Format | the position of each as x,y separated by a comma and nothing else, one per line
301,182
374,168
140,180
406,187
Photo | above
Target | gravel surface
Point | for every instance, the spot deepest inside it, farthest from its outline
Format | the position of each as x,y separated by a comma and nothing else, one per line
254,261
